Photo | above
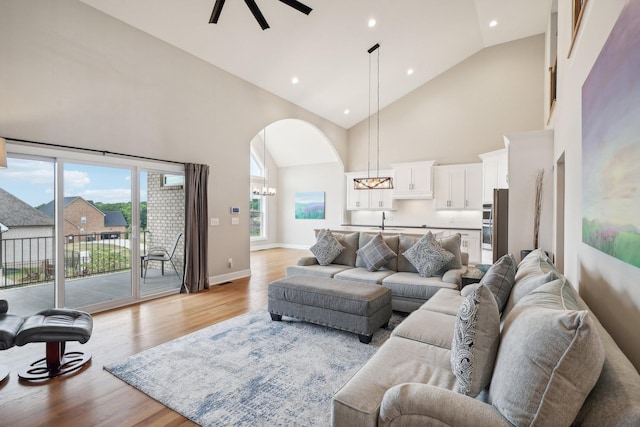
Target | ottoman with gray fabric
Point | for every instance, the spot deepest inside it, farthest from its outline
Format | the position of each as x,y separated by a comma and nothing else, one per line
351,306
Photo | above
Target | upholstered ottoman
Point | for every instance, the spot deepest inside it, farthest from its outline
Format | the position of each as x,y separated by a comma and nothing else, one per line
351,306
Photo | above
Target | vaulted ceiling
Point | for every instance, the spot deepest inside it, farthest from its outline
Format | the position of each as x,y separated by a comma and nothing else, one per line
326,51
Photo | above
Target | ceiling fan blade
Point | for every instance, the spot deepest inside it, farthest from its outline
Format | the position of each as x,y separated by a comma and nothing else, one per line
257,14
217,9
298,6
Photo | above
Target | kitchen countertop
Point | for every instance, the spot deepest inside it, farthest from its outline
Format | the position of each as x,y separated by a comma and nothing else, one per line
400,227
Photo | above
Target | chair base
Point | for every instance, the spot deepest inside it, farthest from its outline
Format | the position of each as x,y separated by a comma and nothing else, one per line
55,364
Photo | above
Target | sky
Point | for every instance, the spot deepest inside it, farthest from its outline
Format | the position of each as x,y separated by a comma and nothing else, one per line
32,181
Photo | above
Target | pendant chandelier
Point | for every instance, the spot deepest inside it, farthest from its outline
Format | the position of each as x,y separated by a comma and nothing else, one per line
378,182
264,191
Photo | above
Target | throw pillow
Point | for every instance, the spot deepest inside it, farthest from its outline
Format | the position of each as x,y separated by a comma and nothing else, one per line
500,278
376,253
525,286
452,244
475,342
350,243
326,248
547,364
427,256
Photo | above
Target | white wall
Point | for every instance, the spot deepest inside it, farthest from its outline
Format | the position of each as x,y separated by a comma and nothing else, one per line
326,177
609,286
461,113
72,75
529,152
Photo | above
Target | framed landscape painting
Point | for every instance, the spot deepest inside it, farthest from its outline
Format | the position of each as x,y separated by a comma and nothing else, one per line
611,143
310,205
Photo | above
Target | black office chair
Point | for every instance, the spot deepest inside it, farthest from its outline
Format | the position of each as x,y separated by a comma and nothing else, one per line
161,254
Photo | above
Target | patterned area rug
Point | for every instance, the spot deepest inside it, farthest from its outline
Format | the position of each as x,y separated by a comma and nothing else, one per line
250,371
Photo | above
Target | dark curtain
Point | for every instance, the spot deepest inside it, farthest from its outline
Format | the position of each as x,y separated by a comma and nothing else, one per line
196,248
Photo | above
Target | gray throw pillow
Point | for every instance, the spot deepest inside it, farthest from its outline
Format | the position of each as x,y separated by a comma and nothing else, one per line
376,253
475,342
326,248
452,244
427,256
547,364
500,278
350,243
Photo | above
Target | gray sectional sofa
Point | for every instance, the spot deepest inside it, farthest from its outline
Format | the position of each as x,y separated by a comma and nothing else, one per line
409,290
520,348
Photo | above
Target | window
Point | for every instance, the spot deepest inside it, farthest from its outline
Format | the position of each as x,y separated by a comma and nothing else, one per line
257,203
83,220
576,19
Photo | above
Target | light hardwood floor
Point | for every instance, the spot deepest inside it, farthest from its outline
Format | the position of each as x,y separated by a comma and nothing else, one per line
93,397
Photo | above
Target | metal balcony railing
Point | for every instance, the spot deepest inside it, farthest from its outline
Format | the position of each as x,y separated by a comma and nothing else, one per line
30,260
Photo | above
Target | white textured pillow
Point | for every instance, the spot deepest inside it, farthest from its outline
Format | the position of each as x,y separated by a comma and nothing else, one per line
475,342
427,256
547,364
376,253
327,248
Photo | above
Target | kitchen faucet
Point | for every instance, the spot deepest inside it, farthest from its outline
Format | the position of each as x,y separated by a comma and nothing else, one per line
383,218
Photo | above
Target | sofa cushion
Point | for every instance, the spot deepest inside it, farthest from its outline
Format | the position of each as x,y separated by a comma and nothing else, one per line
428,327
326,248
427,256
547,363
525,286
534,266
445,301
558,294
350,243
375,253
363,275
413,286
500,278
390,241
475,342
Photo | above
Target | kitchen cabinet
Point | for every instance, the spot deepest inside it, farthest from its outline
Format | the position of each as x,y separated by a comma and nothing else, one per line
495,173
367,199
458,187
413,180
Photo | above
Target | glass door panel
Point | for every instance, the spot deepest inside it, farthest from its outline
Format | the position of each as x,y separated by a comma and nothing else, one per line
27,238
97,234
161,231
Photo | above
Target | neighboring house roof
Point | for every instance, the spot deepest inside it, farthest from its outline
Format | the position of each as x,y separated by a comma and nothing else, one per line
114,219
50,207
17,213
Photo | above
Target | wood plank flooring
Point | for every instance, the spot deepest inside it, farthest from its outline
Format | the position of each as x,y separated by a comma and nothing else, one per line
93,397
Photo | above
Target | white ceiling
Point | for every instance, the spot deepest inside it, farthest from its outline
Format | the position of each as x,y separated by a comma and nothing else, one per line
327,50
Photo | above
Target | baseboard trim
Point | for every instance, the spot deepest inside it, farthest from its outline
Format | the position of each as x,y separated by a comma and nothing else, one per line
224,278
278,245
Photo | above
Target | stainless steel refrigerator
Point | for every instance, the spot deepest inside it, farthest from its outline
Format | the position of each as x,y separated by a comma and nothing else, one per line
500,223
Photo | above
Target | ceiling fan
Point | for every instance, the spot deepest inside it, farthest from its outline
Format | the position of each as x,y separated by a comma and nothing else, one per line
253,7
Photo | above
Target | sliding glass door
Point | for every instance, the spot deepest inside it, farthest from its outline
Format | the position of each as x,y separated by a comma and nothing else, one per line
88,232
97,234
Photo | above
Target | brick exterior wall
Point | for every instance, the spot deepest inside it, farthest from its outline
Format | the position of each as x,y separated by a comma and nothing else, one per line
165,217
73,214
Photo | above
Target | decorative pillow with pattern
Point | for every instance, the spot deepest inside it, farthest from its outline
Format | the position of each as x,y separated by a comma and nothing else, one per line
500,278
427,256
475,342
376,253
327,248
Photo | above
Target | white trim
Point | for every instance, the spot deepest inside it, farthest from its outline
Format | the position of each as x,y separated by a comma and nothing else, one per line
217,280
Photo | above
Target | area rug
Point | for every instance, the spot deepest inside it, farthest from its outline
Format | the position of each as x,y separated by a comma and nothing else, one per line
250,371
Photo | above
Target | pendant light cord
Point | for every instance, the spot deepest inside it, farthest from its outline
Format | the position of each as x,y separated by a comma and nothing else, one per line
378,118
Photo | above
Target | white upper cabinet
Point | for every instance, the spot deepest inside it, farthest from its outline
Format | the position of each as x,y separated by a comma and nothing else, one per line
458,187
368,199
495,172
413,180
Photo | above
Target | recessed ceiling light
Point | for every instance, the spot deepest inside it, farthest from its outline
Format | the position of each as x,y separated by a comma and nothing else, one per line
410,71
372,23
347,111
493,23
295,80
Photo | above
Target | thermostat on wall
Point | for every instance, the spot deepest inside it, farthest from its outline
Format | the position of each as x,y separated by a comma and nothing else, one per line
235,210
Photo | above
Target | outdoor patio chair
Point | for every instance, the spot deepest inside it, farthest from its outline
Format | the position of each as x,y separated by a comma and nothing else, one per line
161,254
